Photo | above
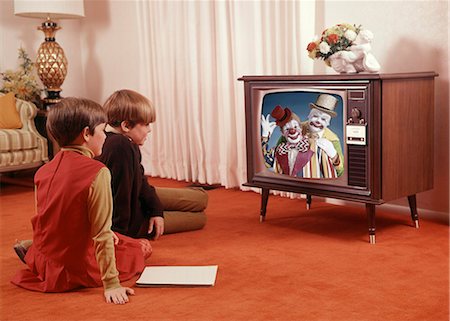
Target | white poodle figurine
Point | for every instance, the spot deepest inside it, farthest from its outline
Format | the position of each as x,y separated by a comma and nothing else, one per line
358,58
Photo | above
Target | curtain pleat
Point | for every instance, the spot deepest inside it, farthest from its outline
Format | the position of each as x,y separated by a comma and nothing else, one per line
192,53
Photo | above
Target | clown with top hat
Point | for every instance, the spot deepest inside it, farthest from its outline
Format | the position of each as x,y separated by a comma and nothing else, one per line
327,160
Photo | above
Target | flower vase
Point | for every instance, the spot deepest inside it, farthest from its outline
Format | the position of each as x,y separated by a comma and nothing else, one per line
345,62
353,61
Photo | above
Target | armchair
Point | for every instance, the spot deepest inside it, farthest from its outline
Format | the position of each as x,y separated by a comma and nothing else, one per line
22,148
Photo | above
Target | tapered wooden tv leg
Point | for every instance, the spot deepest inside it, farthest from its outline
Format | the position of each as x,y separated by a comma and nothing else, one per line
413,209
370,211
264,200
308,201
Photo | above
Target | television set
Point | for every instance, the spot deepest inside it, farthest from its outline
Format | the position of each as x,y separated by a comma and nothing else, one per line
349,136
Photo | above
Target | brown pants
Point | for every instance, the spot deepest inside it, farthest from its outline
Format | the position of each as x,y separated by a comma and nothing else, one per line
184,208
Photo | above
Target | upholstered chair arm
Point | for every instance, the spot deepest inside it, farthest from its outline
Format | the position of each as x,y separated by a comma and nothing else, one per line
28,112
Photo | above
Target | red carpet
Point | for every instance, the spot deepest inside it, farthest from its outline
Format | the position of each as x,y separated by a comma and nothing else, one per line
297,265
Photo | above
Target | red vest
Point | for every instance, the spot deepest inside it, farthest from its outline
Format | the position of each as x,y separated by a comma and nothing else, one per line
62,257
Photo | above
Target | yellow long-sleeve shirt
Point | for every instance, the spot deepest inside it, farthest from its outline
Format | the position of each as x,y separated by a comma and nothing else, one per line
100,216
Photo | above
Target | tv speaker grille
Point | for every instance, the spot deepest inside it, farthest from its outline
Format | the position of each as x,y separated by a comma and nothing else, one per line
357,165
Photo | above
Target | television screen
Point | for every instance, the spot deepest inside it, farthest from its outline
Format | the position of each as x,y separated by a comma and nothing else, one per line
302,134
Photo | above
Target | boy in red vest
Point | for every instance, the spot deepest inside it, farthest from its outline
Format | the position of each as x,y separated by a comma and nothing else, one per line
73,245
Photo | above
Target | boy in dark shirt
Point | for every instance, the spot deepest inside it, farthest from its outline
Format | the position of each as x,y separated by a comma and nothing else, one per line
141,210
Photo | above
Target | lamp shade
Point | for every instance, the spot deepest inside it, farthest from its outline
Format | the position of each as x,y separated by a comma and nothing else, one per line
53,9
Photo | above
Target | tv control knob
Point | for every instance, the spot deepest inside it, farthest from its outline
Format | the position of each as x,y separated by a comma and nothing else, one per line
356,113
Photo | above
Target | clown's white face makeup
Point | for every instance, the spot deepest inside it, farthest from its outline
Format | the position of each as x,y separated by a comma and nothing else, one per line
318,120
292,131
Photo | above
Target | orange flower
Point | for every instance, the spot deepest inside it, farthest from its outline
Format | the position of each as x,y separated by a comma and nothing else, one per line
333,38
311,46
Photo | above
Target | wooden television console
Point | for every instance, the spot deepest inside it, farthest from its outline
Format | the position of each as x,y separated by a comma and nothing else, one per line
396,158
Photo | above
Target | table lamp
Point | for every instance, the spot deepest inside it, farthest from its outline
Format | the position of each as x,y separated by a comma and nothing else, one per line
51,61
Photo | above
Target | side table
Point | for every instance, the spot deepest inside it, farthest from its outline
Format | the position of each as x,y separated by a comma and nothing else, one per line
40,122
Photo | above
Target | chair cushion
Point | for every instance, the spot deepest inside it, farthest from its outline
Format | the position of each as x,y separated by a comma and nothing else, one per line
17,140
9,116
20,158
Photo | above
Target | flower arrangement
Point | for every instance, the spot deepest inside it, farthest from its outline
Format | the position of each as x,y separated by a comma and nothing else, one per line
334,39
22,82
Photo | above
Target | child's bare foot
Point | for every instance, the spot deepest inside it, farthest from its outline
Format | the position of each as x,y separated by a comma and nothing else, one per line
21,248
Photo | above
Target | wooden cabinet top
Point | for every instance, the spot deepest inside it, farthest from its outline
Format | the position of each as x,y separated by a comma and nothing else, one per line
358,76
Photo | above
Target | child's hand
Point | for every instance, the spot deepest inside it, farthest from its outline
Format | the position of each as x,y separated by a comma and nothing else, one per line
118,295
156,223
115,238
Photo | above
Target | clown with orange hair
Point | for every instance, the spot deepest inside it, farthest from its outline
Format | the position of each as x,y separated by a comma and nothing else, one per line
292,151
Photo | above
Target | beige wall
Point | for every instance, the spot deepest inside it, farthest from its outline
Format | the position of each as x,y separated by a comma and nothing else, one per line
110,48
19,31
409,36
103,51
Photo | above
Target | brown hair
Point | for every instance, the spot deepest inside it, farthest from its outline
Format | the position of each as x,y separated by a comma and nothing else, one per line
67,119
130,106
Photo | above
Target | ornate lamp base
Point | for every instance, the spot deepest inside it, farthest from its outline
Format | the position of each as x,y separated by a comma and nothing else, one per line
51,63
53,97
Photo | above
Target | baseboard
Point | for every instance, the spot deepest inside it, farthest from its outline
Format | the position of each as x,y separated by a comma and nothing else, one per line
425,213
19,181
404,210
